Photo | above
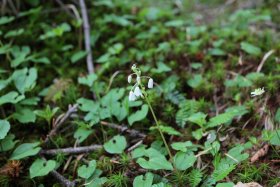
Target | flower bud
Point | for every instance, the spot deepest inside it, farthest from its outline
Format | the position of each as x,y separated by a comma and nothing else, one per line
129,78
150,83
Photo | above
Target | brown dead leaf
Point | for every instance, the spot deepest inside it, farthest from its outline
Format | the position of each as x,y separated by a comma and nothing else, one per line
250,184
260,153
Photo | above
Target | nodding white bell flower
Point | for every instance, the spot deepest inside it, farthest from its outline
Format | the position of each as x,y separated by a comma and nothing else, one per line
129,78
137,91
150,83
257,92
132,96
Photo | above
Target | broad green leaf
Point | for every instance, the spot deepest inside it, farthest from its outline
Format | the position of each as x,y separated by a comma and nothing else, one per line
11,97
225,184
14,33
183,160
20,55
250,48
198,118
155,161
25,79
88,80
116,145
139,115
82,133
24,115
275,138
141,181
197,134
41,167
5,19
78,56
7,143
196,81
184,146
25,150
4,128
95,180
220,119
86,171
167,129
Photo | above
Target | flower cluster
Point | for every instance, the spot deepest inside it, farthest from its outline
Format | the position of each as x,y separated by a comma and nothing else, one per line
257,92
138,90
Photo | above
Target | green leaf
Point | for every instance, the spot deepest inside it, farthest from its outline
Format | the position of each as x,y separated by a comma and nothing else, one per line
7,143
116,145
5,19
41,167
25,79
24,115
196,81
197,134
86,171
225,184
220,119
4,128
184,146
78,56
167,129
156,161
88,80
275,138
14,33
140,181
183,160
47,114
82,133
11,97
277,116
250,48
25,150
139,115
198,118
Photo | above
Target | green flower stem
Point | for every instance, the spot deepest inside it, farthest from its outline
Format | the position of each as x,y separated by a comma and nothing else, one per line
158,127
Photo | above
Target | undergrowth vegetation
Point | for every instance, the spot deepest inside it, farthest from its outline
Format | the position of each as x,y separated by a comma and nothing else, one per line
206,113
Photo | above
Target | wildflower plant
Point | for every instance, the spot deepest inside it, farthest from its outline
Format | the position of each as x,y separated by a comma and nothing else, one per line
139,91
257,92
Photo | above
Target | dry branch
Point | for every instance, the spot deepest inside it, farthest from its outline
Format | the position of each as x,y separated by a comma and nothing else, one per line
72,150
62,180
122,128
86,27
59,123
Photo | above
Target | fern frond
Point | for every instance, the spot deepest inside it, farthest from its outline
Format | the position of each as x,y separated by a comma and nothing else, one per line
222,171
175,97
220,119
195,177
187,108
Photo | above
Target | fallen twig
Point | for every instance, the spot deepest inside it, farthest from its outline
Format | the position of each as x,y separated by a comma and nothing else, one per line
135,146
86,26
71,109
264,59
62,180
71,150
122,128
260,153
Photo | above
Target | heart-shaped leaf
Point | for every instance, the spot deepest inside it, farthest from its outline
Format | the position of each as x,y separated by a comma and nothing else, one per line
41,167
139,115
25,150
4,128
184,161
146,182
116,145
156,160
86,171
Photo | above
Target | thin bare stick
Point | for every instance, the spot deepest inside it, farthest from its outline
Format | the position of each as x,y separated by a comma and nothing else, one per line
122,128
135,146
72,150
86,26
61,179
264,59
71,110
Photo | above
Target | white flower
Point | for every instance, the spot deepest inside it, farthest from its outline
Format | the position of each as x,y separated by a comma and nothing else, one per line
129,78
137,92
150,83
257,92
132,96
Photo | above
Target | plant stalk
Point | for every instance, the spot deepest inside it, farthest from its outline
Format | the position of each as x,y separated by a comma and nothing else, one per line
158,127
